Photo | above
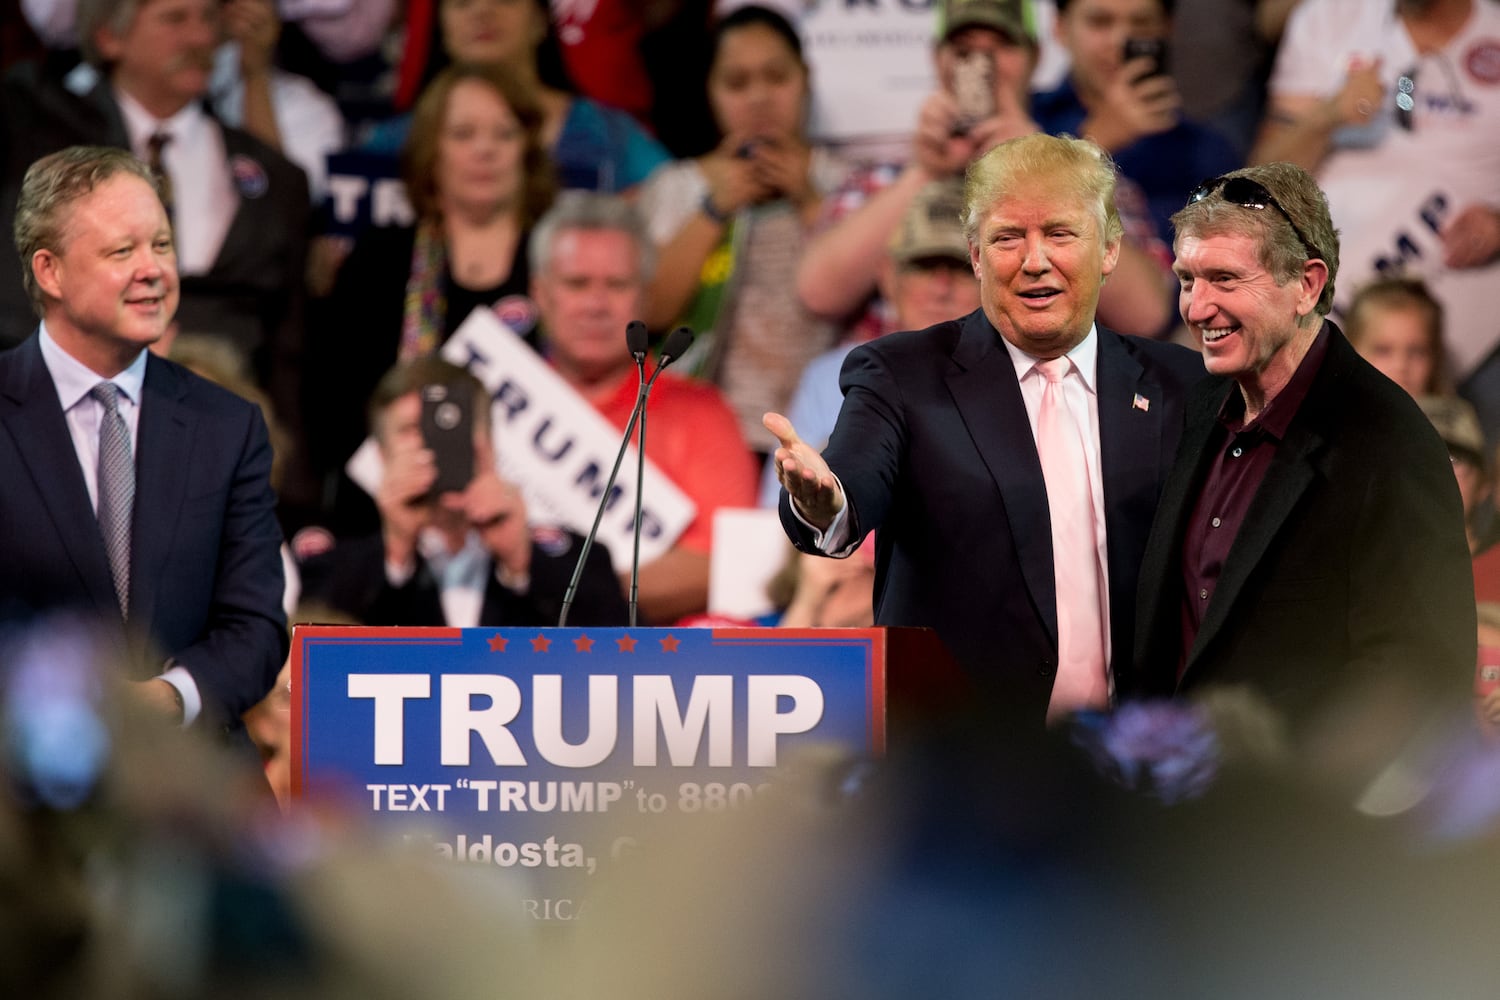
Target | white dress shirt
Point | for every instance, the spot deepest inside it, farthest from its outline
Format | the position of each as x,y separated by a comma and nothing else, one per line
73,381
204,199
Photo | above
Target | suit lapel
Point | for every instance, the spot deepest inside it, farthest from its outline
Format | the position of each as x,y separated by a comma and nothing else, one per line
1161,565
102,99
34,417
989,401
246,232
1129,450
1292,470
164,444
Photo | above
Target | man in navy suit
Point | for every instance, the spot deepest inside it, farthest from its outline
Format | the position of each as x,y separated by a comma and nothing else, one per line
937,445
135,494
240,209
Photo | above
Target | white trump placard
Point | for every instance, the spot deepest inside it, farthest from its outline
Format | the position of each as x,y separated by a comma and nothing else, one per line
555,447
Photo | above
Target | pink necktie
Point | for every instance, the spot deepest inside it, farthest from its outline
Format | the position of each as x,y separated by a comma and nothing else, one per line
1081,681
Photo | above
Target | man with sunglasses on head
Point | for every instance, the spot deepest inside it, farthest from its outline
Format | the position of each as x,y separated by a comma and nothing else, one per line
1310,537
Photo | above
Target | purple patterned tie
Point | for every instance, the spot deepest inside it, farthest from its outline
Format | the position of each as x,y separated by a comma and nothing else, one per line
116,489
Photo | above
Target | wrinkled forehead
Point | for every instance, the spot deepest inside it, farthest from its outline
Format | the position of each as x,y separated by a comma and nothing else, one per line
1044,198
1222,222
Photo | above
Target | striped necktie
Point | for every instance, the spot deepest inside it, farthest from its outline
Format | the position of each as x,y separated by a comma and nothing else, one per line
116,489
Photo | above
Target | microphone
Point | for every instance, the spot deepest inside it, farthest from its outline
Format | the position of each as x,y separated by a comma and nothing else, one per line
678,341
637,338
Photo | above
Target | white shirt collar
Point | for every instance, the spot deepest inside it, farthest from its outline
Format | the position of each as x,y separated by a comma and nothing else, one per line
1085,358
74,379
141,124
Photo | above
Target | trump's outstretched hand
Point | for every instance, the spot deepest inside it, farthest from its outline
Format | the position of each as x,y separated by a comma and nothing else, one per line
804,474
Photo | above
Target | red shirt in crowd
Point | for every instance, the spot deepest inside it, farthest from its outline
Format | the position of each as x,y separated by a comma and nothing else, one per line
693,437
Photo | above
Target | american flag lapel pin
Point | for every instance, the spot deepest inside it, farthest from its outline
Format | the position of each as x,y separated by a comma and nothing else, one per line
1140,403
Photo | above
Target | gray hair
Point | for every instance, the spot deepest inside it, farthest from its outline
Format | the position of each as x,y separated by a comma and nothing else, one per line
1282,252
591,210
116,15
54,183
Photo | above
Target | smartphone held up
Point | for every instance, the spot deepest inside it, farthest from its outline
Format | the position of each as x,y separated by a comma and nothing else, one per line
1154,49
973,89
448,432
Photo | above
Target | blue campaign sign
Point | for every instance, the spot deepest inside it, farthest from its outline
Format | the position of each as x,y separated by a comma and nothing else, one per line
365,189
506,746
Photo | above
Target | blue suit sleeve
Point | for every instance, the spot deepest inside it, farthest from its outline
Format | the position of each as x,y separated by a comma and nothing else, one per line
244,641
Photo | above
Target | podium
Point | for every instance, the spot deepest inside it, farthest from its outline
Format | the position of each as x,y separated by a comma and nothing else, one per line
540,750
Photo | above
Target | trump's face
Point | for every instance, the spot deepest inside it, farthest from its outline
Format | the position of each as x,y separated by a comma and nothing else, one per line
1041,258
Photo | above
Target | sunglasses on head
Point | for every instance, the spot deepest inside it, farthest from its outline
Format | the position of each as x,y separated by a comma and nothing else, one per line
1246,193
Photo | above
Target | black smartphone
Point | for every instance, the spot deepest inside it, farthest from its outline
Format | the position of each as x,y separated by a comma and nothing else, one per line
1154,49
448,432
973,89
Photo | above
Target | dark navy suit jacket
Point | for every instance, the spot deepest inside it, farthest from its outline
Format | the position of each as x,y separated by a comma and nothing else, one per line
206,576
936,454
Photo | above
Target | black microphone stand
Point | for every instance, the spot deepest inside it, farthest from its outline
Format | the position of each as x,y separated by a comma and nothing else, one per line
678,341
636,340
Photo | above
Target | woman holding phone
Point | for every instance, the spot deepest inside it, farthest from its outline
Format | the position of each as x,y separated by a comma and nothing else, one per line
730,224
478,178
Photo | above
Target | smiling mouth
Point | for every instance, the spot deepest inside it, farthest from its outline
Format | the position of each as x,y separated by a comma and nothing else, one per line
1039,295
1214,336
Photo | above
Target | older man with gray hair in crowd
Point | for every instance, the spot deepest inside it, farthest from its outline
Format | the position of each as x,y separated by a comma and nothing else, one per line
590,259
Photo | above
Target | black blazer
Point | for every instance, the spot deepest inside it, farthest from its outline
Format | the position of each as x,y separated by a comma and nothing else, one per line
1351,561
206,577
936,455
351,578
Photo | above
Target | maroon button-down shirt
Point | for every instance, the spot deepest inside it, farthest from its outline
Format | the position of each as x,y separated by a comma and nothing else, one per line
1245,452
